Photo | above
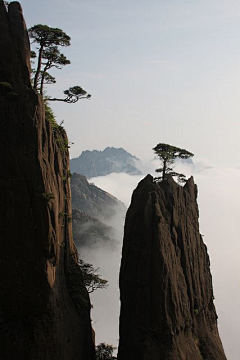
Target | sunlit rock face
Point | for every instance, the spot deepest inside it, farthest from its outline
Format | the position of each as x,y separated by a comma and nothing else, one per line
44,306
167,309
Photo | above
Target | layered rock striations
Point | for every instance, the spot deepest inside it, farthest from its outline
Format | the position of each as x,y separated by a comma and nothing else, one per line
167,309
44,306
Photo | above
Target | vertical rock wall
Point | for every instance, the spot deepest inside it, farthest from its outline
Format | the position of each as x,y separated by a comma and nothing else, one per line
167,309
44,306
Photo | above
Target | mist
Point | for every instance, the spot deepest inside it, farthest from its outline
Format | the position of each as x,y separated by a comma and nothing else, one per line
218,200
106,304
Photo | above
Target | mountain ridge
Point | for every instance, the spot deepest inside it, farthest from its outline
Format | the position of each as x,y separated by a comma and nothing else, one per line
99,163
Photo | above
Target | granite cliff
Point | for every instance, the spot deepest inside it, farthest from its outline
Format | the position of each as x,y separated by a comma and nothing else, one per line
167,308
44,306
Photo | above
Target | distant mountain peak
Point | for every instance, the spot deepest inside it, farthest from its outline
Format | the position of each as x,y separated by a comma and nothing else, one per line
99,163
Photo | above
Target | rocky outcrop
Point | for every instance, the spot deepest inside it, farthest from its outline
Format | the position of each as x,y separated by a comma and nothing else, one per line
101,163
15,58
44,306
94,201
167,309
96,215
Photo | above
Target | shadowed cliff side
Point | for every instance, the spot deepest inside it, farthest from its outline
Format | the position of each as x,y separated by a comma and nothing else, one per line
167,310
44,306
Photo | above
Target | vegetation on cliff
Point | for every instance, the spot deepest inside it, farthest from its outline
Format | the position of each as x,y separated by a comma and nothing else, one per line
92,280
105,352
44,305
167,155
48,40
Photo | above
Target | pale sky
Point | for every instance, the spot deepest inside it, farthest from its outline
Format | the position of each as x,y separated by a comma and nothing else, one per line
158,71
162,71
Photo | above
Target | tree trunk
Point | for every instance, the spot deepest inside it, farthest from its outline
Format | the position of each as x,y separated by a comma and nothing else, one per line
42,80
38,67
164,169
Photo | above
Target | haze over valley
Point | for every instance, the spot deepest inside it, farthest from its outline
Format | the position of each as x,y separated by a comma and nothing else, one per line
216,186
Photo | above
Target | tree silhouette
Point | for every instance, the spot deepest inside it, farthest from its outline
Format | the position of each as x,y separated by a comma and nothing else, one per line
73,94
46,37
105,352
55,59
92,280
48,40
167,155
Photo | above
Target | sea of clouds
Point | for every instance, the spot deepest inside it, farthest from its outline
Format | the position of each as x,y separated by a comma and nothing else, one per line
219,203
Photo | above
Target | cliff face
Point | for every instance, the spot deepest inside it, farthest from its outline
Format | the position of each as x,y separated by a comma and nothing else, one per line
167,310
44,306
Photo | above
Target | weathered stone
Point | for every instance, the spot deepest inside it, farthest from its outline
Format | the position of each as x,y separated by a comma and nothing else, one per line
167,310
20,37
44,306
